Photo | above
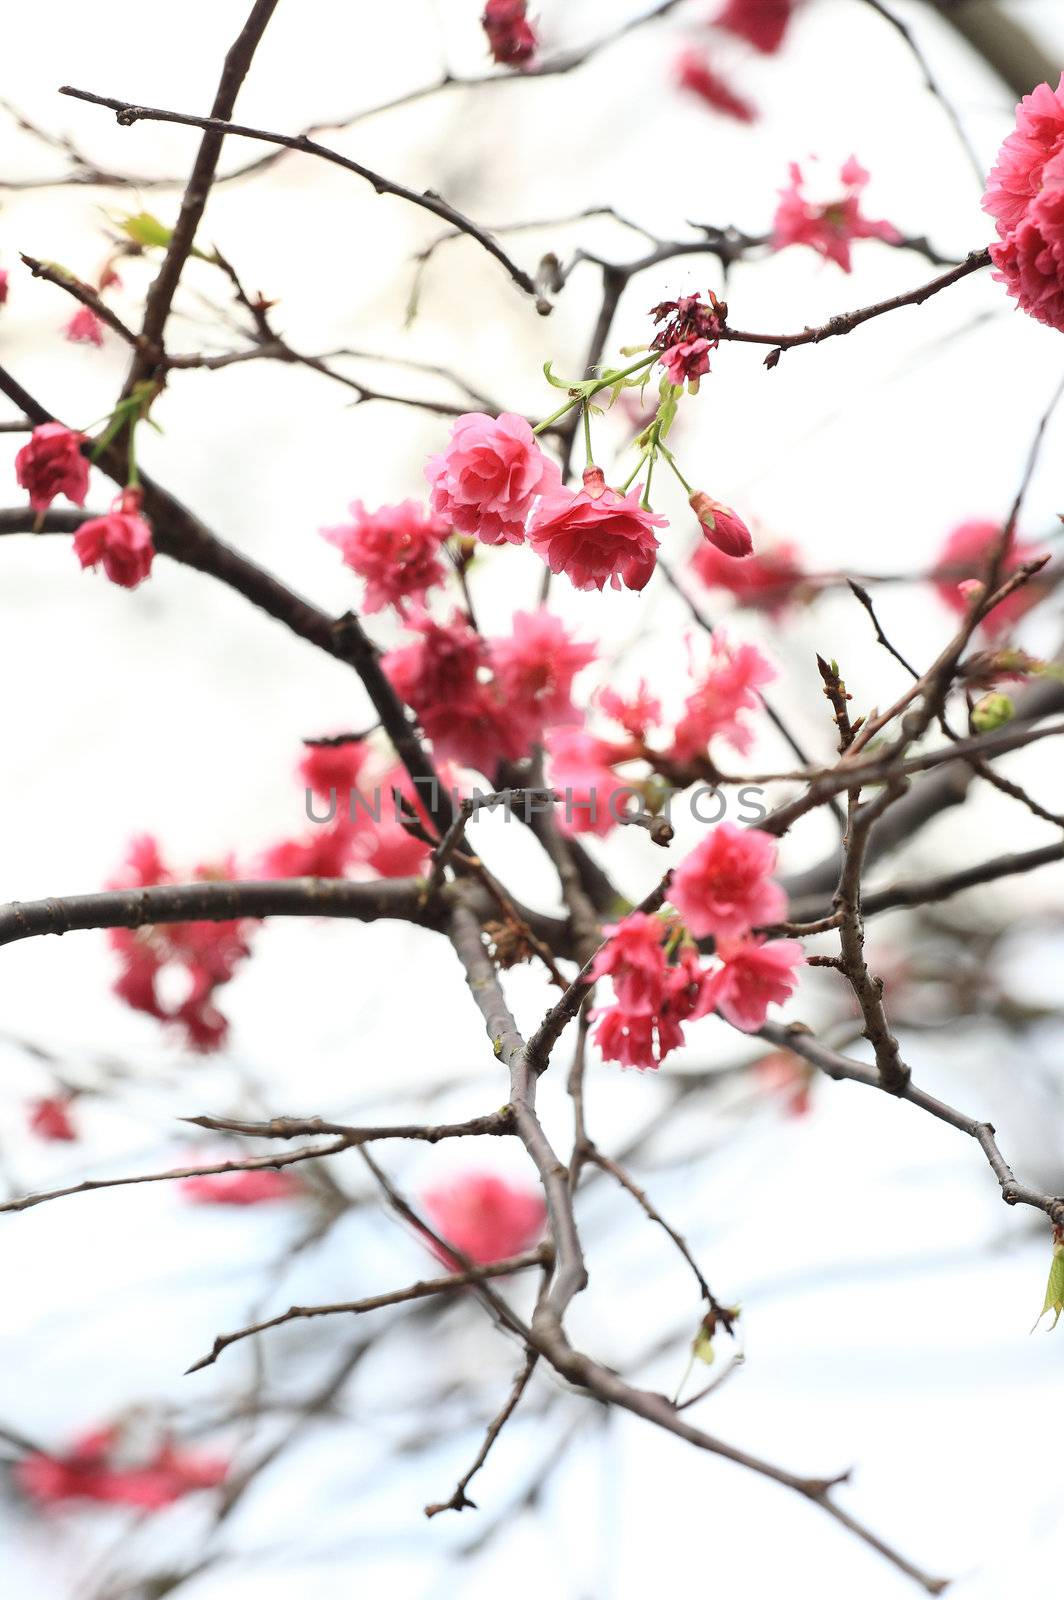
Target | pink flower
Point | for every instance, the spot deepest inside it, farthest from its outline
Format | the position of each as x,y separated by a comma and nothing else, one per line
510,34
964,557
653,996
50,1118
784,1074
94,1469
122,541
440,678
1037,139
396,550
717,706
755,974
637,713
724,887
251,1188
326,852
581,770
51,463
765,581
207,953
5,284
688,320
333,769
687,363
635,960
762,23
487,479
721,526
485,1217
1030,259
595,541
693,72
828,229
534,670
84,327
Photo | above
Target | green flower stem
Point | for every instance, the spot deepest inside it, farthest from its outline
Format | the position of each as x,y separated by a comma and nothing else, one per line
589,389
672,463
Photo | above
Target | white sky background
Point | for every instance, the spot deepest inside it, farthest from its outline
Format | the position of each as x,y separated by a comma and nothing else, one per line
887,1292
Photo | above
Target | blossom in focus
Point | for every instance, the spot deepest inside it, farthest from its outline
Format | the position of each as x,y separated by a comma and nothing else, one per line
963,559
635,959
721,526
50,463
755,974
486,481
485,1217
96,1467
84,327
120,542
687,363
762,23
534,670
727,690
1025,196
653,995
49,1118
251,1188
765,581
694,73
724,887
395,550
830,228
510,34
595,540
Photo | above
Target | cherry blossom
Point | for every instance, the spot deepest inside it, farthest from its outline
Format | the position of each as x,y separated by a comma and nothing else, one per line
394,549
489,476
485,1217
51,463
830,228
725,886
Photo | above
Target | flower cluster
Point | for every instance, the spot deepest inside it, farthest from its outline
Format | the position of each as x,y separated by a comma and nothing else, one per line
485,1217
1025,196
723,889
482,701
830,228
692,329
207,954
103,1466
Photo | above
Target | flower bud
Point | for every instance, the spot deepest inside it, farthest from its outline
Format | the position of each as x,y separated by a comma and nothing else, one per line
991,712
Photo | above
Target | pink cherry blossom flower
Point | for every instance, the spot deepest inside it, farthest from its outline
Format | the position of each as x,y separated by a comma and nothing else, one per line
755,974
1018,176
636,713
1030,259
687,363
963,560
725,886
716,709
206,953
49,1118
762,23
395,550
51,463
485,1217
828,229
534,670
327,769
694,73
95,1468
326,852
121,542
595,541
253,1188
510,34
489,476
635,959
721,525
765,581
582,772
84,327
441,676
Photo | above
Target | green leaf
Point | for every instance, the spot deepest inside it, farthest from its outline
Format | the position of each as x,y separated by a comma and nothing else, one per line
1054,1300
145,230
702,1348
